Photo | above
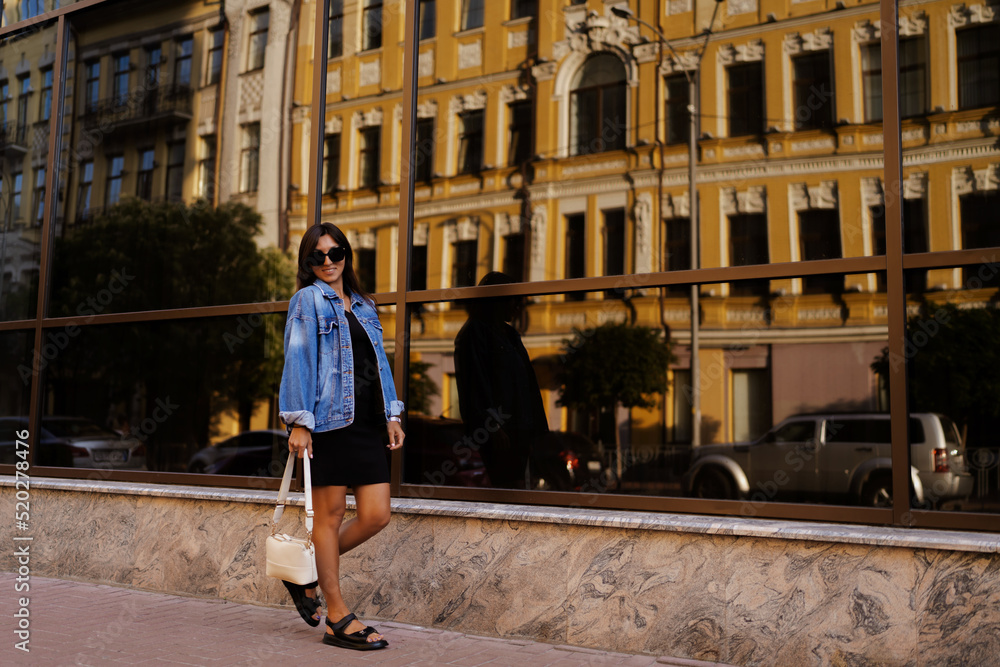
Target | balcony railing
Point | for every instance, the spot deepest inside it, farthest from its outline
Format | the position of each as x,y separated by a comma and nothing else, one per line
144,105
14,136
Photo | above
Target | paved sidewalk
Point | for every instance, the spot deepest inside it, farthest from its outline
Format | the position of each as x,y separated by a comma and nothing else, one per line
74,623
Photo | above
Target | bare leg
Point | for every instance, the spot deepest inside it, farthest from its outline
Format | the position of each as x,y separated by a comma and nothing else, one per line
372,516
329,504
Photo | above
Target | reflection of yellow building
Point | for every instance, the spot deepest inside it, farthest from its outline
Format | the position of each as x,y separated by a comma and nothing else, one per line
790,169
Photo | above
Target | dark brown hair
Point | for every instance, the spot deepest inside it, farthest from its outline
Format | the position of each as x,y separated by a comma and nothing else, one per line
310,240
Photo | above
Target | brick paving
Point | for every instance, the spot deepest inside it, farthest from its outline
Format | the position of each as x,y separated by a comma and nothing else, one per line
77,623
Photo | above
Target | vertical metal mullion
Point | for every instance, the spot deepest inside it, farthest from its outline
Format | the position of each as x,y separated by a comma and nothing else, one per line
411,45
893,164
48,219
314,201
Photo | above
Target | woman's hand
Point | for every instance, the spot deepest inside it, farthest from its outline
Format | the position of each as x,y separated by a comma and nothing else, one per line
396,435
301,441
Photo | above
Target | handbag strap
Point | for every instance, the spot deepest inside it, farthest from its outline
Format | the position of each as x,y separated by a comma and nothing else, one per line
286,483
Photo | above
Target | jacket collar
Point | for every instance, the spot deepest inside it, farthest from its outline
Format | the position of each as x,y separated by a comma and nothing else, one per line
329,293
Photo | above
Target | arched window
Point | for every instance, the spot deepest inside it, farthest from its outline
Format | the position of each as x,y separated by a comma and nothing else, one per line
598,121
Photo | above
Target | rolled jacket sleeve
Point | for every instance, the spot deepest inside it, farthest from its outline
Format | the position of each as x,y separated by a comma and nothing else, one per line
297,396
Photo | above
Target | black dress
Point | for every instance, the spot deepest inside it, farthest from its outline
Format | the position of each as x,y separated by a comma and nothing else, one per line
356,454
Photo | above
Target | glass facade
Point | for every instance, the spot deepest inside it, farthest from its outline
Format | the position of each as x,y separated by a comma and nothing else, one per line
585,305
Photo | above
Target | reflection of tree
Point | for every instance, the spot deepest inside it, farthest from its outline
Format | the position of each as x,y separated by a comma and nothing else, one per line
953,358
168,255
610,365
421,388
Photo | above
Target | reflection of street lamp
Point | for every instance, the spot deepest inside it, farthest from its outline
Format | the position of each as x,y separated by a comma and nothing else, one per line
694,104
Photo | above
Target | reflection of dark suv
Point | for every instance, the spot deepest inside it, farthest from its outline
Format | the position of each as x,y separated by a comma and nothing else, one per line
834,457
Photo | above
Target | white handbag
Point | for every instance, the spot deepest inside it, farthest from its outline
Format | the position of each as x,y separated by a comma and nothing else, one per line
292,558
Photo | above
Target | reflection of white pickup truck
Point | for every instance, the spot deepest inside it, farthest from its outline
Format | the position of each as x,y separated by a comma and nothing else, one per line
832,458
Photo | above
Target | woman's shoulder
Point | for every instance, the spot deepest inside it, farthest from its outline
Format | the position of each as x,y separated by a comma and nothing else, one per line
305,301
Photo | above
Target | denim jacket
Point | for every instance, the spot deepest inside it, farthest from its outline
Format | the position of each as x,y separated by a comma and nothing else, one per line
317,384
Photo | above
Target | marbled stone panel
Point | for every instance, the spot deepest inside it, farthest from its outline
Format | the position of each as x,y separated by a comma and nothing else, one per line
814,604
639,591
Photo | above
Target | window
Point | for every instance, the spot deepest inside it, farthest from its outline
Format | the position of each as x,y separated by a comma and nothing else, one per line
364,266
752,403
678,116
912,79
748,245
15,195
682,407
371,37
424,167
871,81
576,251
144,181
116,167
335,27
154,63
914,240
614,248
38,205
175,171
250,158
418,268
522,140
472,14
470,145
520,9
182,66
4,100
746,99
464,273
979,66
428,19
216,50
369,158
93,85
24,92
85,190
513,256
819,238
123,64
331,163
813,91
598,106
678,244
45,102
980,230
31,8
259,23
614,242
206,168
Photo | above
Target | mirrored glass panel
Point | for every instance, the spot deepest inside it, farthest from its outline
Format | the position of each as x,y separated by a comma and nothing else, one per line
588,393
16,372
362,134
173,158
26,69
185,396
553,141
952,363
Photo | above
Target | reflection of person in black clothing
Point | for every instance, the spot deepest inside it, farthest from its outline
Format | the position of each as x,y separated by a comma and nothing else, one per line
498,392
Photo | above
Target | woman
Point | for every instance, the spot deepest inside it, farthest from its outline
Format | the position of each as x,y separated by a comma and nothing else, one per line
338,399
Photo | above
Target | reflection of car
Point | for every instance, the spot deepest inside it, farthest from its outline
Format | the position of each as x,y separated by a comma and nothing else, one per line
93,446
49,450
436,454
827,457
253,453
440,453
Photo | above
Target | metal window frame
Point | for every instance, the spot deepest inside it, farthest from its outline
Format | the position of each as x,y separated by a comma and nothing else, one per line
894,263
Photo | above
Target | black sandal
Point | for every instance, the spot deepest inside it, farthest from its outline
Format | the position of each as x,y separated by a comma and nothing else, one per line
306,606
356,640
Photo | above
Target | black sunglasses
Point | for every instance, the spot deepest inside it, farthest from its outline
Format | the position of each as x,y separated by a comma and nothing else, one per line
336,254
